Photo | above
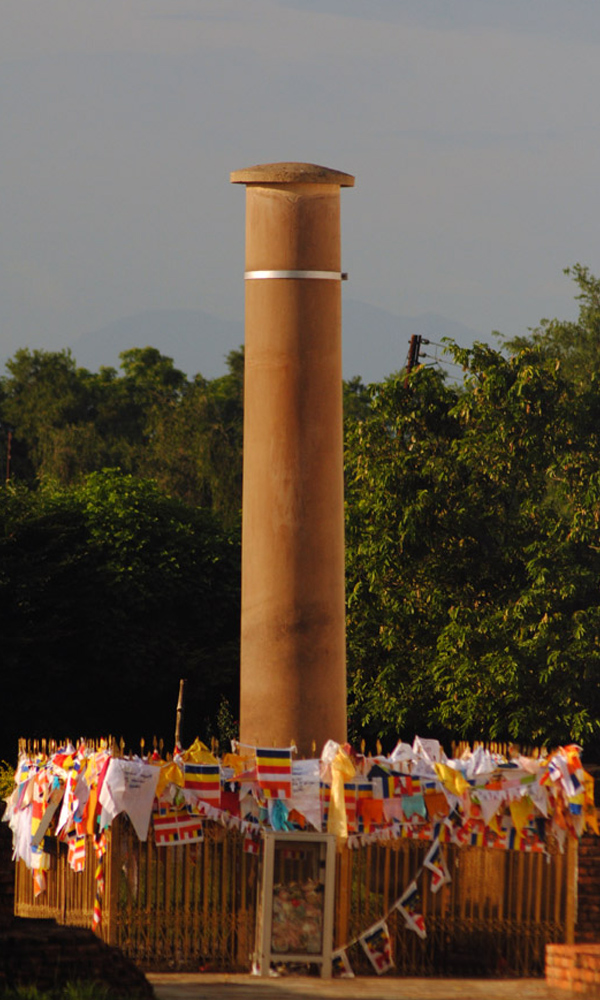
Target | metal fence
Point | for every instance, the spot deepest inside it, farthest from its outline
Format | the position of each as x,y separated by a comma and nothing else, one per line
194,906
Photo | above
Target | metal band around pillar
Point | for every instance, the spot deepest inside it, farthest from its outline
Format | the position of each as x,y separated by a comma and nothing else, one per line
319,275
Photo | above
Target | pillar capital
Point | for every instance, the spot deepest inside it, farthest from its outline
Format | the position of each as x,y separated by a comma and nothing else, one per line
291,173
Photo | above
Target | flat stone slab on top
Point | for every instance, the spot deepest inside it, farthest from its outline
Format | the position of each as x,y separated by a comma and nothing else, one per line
291,173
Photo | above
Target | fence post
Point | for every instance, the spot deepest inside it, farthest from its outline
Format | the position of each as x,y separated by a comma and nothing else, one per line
111,900
343,897
571,901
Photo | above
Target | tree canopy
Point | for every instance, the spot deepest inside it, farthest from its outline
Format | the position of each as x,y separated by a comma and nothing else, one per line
473,560
149,420
111,592
472,527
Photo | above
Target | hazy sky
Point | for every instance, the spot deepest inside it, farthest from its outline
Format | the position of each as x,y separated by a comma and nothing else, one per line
472,127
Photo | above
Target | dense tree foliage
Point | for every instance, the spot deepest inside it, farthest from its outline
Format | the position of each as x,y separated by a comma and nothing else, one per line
473,542
574,344
149,420
110,593
473,554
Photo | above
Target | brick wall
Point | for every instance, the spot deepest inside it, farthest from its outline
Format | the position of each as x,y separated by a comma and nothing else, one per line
587,929
574,968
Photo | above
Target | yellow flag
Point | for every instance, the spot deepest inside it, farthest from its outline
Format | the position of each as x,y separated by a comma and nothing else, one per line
453,780
238,763
198,753
169,774
589,809
520,811
342,769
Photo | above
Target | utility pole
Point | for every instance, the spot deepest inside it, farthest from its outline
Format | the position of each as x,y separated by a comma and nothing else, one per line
414,350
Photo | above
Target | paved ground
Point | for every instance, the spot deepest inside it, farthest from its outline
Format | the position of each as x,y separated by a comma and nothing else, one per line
211,986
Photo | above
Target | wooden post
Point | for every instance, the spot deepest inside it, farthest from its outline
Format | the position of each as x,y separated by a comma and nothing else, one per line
343,897
179,714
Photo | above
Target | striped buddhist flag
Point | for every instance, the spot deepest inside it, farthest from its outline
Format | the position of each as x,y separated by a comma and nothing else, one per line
173,827
205,780
384,781
350,803
76,854
364,790
274,772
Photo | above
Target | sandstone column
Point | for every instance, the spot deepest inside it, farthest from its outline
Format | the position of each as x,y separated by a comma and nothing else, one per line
293,670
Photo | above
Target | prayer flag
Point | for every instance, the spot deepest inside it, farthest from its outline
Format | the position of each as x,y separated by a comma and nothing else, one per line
174,826
251,844
340,965
378,947
205,780
39,882
274,772
409,905
364,791
350,803
386,780
76,854
436,863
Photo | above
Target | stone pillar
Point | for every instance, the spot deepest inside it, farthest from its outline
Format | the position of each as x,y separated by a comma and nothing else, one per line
293,663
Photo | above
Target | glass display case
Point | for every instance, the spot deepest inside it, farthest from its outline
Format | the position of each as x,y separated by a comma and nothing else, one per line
295,915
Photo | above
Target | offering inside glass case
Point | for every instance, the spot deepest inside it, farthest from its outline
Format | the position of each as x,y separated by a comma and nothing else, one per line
296,912
298,917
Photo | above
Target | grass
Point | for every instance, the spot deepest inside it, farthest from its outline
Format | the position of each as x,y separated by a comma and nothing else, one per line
80,990
7,779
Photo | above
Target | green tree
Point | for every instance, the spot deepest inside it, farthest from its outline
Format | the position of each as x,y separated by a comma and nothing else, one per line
44,394
473,565
111,592
574,344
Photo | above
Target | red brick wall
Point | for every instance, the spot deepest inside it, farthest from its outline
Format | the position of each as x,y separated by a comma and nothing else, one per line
587,929
574,968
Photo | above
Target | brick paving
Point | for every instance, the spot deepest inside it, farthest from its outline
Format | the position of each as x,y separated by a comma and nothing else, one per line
211,986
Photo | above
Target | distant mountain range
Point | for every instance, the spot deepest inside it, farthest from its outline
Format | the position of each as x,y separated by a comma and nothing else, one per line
375,342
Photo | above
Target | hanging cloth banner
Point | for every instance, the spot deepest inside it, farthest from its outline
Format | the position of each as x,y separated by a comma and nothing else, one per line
305,790
378,947
129,786
342,769
409,906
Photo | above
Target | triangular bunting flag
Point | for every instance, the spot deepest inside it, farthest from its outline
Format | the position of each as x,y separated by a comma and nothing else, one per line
409,906
378,947
436,863
340,965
